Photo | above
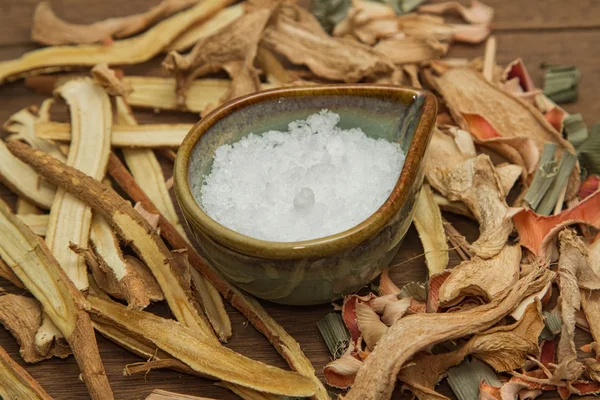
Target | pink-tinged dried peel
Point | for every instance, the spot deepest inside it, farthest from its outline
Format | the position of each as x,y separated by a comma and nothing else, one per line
128,225
427,218
113,273
41,274
504,348
555,117
478,13
427,26
386,285
476,183
395,310
50,30
70,218
516,69
295,33
369,324
349,317
589,186
147,172
486,110
404,50
489,392
433,287
537,231
285,345
486,279
22,316
197,352
128,51
340,373
232,48
377,378
142,136
16,383
158,394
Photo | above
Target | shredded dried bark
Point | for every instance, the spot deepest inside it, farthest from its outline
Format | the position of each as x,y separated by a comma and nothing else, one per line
16,383
50,30
296,34
505,348
41,274
128,51
427,218
476,183
195,350
377,377
486,279
232,48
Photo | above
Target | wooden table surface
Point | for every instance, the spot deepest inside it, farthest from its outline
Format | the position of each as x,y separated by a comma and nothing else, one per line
555,31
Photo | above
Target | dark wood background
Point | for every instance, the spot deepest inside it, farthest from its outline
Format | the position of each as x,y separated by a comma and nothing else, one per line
556,31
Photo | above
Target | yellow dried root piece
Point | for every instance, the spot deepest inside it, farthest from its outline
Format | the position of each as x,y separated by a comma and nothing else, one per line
25,207
16,383
128,225
128,51
202,355
70,218
231,48
146,136
38,223
377,377
41,274
247,394
158,394
147,172
476,183
427,218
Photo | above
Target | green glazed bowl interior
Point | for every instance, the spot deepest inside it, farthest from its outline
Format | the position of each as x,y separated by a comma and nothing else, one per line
398,114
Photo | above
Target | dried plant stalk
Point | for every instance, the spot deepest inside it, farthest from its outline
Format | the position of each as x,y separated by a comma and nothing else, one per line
146,171
38,223
377,377
128,51
23,181
151,135
50,30
428,221
285,344
458,241
113,265
22,316
16,383
128,224
41,274
196,351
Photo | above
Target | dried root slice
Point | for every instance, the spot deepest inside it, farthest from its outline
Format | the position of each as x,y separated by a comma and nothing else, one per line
402,340
486,279
295,34
478,13
247,394
476,183
407,49
22,180
129,51
150,135
128,224
445,152
25,207
427,218
285,344
38,223
207,28
41,274
7,273
22,316
16,383
147,172
590,302
197,352
232,48
70,218
428,26
505,348
111,271
49,340
158,394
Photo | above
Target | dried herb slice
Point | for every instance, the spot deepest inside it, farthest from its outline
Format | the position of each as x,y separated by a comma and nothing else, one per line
589,151
561,83
16,383
22,316
575,129
543,178
41,274
38,223
554,198
427,218
478,13
158,394
408,49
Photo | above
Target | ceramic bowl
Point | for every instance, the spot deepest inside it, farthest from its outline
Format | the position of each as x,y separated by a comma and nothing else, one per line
319,270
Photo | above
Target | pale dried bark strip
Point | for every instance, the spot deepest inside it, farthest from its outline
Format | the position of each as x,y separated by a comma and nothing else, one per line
16,383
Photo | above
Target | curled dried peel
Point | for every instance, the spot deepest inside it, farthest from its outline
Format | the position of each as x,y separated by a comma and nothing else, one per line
16,383
127,223
483,278
371,327
476,183
128,51
194,350
427,218
41,274
377,378
293,34
340,373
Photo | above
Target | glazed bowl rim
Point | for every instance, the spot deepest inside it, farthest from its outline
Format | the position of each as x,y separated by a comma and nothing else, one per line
319,247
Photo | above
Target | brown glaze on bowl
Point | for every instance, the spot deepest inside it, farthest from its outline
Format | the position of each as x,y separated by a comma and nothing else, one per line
318,270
